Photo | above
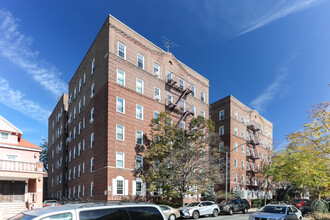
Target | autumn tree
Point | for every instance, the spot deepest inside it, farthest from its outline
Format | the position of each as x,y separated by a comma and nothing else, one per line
179,160
305,162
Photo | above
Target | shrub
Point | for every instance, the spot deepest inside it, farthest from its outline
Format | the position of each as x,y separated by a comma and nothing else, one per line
318,216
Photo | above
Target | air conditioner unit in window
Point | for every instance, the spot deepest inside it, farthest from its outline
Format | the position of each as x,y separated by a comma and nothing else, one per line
157,97
139,193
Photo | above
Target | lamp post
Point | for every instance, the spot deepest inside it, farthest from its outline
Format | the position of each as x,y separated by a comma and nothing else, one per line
227,152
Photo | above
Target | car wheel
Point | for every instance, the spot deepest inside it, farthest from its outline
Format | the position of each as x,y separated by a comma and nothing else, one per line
245,210
231,211
195,215
215,213
172,217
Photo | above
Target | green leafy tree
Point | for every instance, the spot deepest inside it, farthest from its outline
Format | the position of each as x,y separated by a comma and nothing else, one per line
44,153
180,161
209,194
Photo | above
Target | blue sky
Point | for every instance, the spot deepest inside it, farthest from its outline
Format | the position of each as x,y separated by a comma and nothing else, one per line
272,55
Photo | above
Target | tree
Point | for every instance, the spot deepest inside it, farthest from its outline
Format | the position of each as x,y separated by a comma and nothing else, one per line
209,194
180,161
305,162
44,153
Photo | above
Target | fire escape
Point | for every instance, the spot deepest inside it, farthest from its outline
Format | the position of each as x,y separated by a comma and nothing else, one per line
253,154
178,106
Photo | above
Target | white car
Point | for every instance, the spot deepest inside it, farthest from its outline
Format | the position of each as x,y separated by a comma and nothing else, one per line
277,212
196,209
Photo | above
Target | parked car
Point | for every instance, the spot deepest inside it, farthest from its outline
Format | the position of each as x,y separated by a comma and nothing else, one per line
277,212
89,211
307,208
196,209
51,203
171,213
276,203
234,205
298,202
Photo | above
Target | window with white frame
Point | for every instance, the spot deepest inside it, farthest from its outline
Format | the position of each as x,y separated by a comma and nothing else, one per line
243,119
182,106
222,115
74,173
235,179
78,193
156,70
140,61
92,189
92,115
74,192
84,100
236,130
93,67
74,153
243,164
120,77
70,155
236,147
243,179
92,140
236,115
74,133
83,190
139,137
181,84
139,111
157,93
74,112
169,98
221,146
92,164
92,90
83,167
83,122
203,96
138,187
168,75
203,113
79,128
120,187
75,93
69,174
243,149
193,110
84,77
139,85
79,88
193,91
235,162
221,130
120,159
120,105
243,134
79,170
138,162
121,50
120,132
182,125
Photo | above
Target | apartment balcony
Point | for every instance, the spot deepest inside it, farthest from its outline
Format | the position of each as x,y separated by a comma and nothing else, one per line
10,165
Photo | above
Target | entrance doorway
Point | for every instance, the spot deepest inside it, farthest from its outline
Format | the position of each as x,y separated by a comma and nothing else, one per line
12,191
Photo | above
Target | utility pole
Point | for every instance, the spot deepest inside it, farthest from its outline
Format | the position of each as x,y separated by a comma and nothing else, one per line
226,175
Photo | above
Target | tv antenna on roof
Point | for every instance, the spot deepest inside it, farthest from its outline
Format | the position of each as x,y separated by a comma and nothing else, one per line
168,43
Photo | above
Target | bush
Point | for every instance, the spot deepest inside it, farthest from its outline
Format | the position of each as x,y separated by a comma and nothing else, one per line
318,216
320,206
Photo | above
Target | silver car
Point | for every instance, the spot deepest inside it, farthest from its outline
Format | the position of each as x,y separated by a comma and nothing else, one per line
277,212
196,209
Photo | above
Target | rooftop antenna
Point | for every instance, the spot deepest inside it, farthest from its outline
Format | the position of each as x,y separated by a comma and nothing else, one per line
168,43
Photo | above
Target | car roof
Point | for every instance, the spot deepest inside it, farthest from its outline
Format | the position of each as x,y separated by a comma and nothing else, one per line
284,205
82,206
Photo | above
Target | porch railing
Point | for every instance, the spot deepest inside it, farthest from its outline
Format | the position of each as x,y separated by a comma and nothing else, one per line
12,165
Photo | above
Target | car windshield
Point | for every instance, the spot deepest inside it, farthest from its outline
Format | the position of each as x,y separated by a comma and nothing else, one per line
192,204
297,200
225,202
22,216
274,209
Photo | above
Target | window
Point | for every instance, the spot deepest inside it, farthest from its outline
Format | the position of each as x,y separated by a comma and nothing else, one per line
182,105
156,93
236,115
79,108
74,133
93,67
139,137
70,174
79,89
243,165
203,113
79,128
235,180
221,115
169,98
203,96
120,159
235,162
193,110
74,113
122,50
139,112
92,90
70,156
221,130
120,187
92,164
221,146
139,86
236,131
75,93
243,119
156,114
92,115
79,149
83,122
120,132
140,61
84,100
193,91
92,189
120,77
236,147
83,167
182,125
168,75
243,149
79,171
83,190
74,173
242,179
74,153
92,140
156,70
120,105
181,84
138,188
84,78
138,162
243,134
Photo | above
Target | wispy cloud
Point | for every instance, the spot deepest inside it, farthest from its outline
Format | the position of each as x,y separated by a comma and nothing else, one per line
15,99
260,102
16,47
282,9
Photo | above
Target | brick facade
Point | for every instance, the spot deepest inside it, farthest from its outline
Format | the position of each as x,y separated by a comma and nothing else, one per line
244,130
108,174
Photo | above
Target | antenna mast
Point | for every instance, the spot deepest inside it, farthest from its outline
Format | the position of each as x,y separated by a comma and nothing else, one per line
168,43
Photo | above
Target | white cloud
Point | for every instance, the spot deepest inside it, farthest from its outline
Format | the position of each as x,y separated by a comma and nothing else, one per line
15,99
16,47
269,93
281,10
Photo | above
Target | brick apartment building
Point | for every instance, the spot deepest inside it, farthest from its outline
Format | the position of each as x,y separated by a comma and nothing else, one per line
247,137
96,131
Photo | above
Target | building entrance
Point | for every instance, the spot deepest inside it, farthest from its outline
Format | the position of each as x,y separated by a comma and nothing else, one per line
12,191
